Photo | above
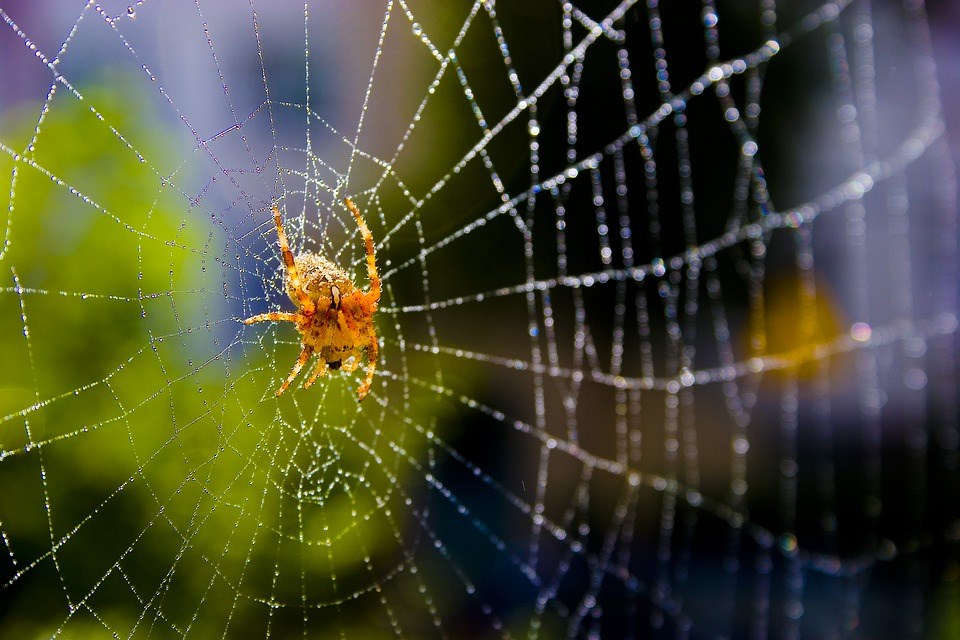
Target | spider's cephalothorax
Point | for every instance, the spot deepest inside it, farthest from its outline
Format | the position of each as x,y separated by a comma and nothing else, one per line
334,318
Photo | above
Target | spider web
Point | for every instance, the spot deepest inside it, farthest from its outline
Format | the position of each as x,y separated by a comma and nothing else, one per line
668,321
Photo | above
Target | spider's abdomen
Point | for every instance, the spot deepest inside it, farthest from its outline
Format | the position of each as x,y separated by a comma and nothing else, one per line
317,276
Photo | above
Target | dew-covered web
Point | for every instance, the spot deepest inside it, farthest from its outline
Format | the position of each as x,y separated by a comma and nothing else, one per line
667,328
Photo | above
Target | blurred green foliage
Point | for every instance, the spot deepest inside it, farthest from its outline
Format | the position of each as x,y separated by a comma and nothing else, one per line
149,474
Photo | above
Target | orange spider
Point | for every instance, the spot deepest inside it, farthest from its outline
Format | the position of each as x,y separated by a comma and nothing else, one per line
334,318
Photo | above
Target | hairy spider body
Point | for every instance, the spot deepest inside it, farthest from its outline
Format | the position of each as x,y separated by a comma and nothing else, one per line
335,333
334,318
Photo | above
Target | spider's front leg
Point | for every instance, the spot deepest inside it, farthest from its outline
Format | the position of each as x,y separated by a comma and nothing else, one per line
318,372
321,369
302,360
373,349
273,316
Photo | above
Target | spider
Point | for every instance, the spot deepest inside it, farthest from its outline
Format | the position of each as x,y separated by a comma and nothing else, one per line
334,318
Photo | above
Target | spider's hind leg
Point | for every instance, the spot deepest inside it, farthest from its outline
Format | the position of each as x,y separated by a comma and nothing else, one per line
372,273
307,307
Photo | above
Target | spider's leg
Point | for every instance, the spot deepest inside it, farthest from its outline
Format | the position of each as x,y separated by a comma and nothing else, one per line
302,360
273,316
305,303
321,369
318,372
372,350
374,295
349,366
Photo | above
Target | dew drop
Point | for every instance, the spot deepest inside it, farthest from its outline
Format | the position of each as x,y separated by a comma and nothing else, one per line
861,331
